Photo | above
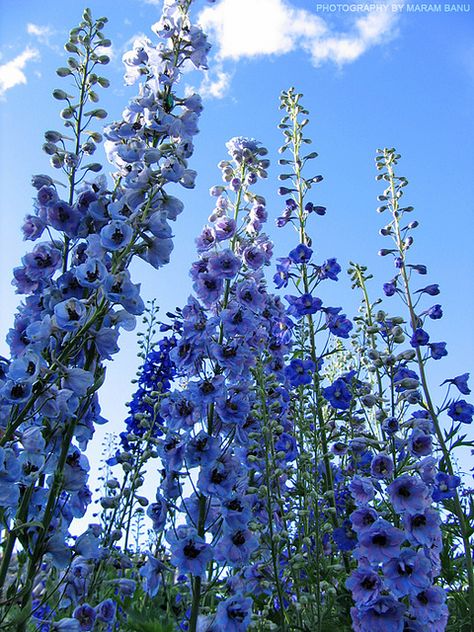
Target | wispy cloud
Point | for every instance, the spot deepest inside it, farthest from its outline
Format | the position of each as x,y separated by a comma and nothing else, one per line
11,73
42,33
250,28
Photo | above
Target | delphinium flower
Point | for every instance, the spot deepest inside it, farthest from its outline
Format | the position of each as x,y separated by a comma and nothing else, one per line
211,424
444,486
79,292
322,393
399,527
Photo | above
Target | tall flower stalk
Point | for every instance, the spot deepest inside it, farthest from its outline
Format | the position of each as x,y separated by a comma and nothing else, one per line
79,290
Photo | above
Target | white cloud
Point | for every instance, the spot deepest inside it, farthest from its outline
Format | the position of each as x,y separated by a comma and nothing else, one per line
247,28
251,28
43,33
214,85
11,73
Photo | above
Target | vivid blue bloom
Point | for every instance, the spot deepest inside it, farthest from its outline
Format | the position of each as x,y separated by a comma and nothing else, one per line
364,584
419,338
431,290
445,486
283,274
382,466
157,511
423,528
300,254
461,410
345,537
390,287
189,552
438,350
384,614
233,614
287,443
115,235
303,304
338,394
235,546
435,312
409,493
430,606
329,269
460,382
299,372
86,615
338,324
407,574
106,611
420,443
362,518
380,542
224,265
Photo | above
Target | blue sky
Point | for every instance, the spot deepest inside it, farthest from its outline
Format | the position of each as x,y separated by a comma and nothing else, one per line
390,76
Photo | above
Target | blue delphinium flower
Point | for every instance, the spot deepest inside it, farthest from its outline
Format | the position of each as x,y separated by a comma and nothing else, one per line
338,394
233,614
299,372
461,410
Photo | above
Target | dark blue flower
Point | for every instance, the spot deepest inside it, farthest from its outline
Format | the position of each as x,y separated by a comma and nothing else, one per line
300,372
419,338
300,254
338,394
461,410
438,350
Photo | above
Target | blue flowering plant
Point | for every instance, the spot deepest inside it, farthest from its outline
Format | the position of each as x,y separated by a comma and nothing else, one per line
79,294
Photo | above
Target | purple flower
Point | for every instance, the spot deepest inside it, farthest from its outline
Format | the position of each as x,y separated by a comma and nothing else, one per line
115,235
224,265
152,573
363,518
236,546
430,605
86,615
408,493
420,443
361,489
460,382
329,269
438,350
302,305
381,466
338,324
345,537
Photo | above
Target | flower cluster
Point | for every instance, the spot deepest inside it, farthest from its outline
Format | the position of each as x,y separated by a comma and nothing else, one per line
80,294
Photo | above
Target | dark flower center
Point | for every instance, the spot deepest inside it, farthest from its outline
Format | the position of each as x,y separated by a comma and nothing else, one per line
380,539
238,538
368,583
419,521
190,550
